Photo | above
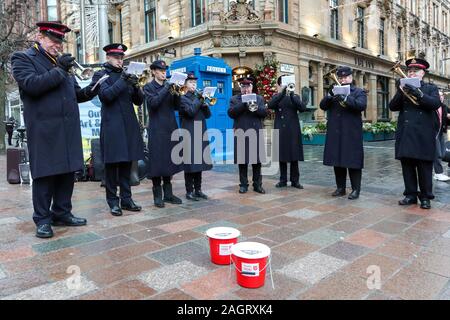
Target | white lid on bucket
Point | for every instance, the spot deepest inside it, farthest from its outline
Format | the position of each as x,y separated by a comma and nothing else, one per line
223,233
250,250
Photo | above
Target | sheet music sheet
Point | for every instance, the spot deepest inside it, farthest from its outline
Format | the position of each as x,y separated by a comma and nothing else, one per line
249,97
99,81
178,78
344,90
136,68
285,80
415,82
209,91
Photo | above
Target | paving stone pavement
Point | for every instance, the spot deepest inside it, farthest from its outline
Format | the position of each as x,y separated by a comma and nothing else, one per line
322,247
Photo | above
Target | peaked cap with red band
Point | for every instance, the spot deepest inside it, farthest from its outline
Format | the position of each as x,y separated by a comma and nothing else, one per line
54,29
115,49
417,63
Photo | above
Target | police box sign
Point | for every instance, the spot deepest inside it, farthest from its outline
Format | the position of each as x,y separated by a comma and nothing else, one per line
182,70
216,69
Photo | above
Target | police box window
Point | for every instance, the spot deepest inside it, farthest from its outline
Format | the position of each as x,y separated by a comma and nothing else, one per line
206,83
220,87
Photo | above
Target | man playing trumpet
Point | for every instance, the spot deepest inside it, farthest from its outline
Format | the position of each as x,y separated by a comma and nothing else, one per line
50,95
415,138
344,138
287,104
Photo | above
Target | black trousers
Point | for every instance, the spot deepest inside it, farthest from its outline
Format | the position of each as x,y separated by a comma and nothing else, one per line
10,134
341,177
117,174
295,175
157,180
193,180
243,172
55,191
418,172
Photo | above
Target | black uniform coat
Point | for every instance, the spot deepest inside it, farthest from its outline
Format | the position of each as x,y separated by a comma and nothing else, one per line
120,136
193,110
161,107
344,138
245,119
286,121
50,97
415,137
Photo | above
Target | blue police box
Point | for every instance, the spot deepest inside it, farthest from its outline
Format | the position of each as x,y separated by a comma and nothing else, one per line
212,72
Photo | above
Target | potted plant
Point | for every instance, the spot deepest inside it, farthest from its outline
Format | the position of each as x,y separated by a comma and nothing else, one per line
389,132
314,134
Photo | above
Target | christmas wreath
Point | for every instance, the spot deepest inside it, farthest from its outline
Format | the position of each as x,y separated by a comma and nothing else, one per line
266,79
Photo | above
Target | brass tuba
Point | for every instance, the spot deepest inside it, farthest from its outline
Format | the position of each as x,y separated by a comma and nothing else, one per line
332,75
396,68
79,71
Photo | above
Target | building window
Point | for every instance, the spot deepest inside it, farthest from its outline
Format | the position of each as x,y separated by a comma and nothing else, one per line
443,62
79,54
52,10
120,26
382,98
413,42
37,10
361,27
334,19
425,11
381,36
413,6
150,20
399,44
283,11
435,15
198,10
444,22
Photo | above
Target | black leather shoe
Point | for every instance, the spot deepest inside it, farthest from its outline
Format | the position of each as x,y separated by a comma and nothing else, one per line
407,201
190,196
169,196
243,189
339,192
116,211
130,206
157,197
70,221
425,204
296,185
200,194
259,189
44,231
354,195
281,185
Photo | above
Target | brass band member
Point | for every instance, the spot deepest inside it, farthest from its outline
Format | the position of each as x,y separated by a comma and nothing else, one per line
287,104
415,138
344,138
194,112
161,106
248,117
120,138
50,95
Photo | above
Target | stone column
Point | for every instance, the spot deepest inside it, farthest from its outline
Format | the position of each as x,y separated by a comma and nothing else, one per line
372,98
320,114
302,77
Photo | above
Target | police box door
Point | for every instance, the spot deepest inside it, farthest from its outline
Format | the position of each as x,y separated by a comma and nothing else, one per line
219,112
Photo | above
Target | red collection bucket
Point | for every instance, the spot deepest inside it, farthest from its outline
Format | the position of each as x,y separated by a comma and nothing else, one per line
220,241
250,260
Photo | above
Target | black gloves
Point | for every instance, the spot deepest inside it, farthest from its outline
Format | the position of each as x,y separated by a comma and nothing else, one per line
124,76
284,91
330,92
416,92
339,98
133,80
65,61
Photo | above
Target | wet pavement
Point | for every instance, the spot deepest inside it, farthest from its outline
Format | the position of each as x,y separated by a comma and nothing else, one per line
322,247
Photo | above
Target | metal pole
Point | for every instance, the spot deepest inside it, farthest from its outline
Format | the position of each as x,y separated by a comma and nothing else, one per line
103,35
82,32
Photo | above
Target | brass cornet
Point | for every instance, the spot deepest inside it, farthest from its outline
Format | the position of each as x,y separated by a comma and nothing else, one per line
290,87
252,106
210,101
79,71
177,90
332,75
396,68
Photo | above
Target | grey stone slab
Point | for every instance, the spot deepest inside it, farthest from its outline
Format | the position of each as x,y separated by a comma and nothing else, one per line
303,214
61,290
312,268
323,237
177,253
171,276
65,242
9,220
2,274
344,251
220,223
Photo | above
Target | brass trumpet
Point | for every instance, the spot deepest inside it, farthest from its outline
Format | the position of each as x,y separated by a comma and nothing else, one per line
210,101
252,106
79,71
396,68
177,90
290,87
332,75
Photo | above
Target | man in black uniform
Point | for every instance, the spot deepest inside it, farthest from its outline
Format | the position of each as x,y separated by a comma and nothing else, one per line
52,119
194,112
344,138
161,105
120,137
9,127
287,105
248,140
415,138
